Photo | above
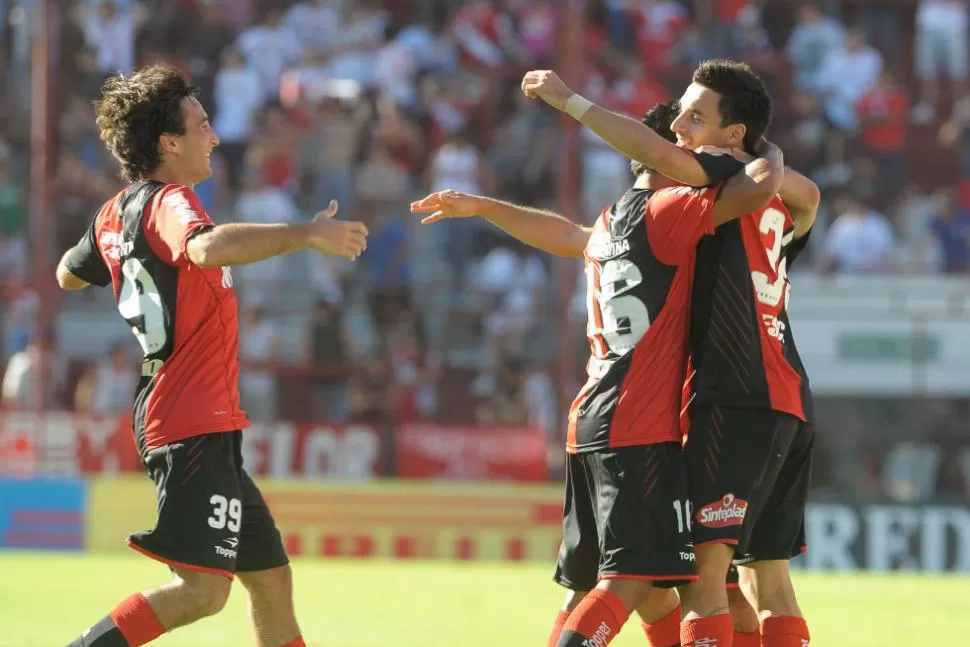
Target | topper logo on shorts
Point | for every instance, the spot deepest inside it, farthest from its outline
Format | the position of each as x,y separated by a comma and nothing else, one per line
729,511
600,637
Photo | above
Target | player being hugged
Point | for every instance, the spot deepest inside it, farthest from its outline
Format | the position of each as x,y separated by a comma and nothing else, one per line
625,526
751,435
168,266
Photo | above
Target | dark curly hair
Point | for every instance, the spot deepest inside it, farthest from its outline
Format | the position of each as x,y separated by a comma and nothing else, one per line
744,99
659,118
135,111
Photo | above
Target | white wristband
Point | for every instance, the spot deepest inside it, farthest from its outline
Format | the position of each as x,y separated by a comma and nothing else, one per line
577,106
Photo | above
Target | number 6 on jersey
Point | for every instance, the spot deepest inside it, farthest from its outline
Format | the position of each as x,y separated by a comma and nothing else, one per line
618,320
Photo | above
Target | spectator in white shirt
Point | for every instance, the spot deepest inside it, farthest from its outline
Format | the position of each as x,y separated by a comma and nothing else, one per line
260,203
941,41
315,22
812,39
847,74
359,39
22,377
269,48
431,52
109,31
860,241
259,343
238,97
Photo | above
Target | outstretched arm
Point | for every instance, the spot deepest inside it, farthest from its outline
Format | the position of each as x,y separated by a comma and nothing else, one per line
189,235
628,136
242,243
543,230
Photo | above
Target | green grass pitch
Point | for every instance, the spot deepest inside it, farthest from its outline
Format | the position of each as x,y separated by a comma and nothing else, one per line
47,600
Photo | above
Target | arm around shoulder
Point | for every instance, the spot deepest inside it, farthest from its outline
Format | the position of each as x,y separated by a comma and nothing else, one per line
753,189
802,197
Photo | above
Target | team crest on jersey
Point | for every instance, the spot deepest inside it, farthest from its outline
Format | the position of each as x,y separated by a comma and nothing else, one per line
110,243
729,511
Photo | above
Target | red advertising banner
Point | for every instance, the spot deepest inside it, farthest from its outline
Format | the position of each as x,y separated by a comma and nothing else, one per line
66,444
471,453
69,444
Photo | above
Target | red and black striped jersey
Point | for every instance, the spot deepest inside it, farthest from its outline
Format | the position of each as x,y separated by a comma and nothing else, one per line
184,316
742,345
640,270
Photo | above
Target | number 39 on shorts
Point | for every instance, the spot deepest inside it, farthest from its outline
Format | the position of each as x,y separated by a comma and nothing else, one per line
226,513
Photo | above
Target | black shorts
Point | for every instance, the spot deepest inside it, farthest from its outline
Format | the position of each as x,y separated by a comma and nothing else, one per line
749,475
211,516
624,516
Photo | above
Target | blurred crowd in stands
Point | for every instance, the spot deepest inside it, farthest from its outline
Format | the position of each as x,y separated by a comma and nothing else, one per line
374,103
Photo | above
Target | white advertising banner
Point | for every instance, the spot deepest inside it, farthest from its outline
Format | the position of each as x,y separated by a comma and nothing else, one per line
886,537
884,336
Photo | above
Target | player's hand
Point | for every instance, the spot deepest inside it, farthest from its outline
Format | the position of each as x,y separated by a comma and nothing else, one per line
737,153
337,237
447,204
764,148
769,151
546,85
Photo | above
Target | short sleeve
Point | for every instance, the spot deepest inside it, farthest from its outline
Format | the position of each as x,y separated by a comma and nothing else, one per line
677,219
85,261
720,167
176,216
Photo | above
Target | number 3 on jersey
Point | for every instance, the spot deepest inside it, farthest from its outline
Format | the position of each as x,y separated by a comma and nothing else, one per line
771,292
617,320
141,305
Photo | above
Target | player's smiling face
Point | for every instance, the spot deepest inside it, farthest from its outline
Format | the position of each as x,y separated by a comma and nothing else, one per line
196,145
700,123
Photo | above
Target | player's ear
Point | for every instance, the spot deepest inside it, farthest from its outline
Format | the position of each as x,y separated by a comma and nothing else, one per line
736,136
168,143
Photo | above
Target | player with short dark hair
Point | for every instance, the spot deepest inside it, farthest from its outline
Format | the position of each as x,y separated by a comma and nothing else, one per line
742,98
168,265
624,524
749,446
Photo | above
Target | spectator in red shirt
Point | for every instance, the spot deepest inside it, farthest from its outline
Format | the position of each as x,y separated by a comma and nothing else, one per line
883,113
537,29
482,32
660,24
728,11
636,92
